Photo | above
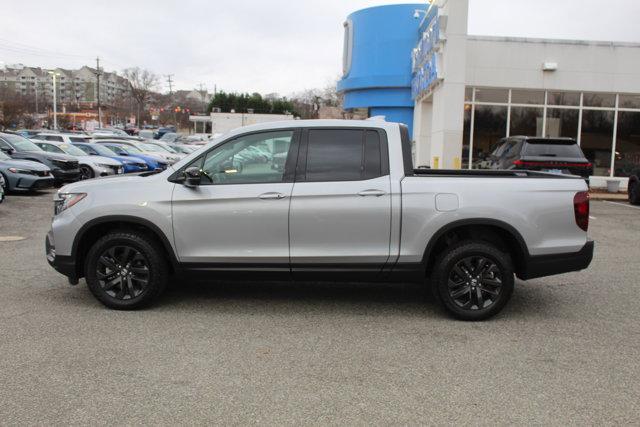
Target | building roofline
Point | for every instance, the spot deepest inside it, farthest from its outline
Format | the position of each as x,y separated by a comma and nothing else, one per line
553,41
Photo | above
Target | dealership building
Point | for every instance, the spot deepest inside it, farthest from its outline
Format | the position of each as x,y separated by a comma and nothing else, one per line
460,93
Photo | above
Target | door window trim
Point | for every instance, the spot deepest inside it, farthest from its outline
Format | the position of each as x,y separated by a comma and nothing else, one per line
301,167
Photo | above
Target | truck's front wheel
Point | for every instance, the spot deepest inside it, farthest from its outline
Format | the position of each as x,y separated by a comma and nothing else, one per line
473,280
126,270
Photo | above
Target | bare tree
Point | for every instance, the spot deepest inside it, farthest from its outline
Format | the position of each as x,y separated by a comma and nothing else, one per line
141,84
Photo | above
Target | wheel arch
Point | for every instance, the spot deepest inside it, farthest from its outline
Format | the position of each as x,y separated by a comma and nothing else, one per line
90,232
496,232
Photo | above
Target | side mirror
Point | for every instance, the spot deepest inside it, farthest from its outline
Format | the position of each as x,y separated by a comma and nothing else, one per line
8,150
192,177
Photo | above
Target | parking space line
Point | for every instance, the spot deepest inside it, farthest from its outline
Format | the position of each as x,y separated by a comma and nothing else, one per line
622,204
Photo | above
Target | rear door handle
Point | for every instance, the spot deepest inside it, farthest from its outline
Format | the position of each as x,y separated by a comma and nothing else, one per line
376,193
272,195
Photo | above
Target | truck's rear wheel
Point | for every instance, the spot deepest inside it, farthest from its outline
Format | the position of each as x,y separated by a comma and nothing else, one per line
126,270
473,280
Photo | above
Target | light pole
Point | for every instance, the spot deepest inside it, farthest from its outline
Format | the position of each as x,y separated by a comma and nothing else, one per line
55,105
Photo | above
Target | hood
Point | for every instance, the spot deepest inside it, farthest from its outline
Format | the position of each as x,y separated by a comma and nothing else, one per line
90,185
23,164
127,159
43,155
99,160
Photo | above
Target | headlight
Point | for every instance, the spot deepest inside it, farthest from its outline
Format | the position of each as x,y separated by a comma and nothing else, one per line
103,166
17,170
65,200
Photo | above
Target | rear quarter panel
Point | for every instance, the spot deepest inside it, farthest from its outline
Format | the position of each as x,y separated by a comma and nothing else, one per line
540,209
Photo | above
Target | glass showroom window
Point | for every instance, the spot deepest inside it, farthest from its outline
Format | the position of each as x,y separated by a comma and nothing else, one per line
526,121
466,135
627,157
490,125
564,98
596,139
562,122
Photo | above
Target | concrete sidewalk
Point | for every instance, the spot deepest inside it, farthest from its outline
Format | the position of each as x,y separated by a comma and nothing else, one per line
600,195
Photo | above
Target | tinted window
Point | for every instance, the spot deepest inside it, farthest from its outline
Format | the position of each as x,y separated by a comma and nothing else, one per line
334,155
552,150
372,155
54,138
77,139
256,158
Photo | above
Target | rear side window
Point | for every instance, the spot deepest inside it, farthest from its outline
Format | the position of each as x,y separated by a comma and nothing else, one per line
77,139
552,150
54,138
344,155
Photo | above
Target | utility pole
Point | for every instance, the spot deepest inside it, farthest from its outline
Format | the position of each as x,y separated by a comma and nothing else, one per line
98,73
170,83
203,95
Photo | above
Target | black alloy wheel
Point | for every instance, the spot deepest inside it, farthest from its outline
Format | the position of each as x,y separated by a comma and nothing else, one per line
475,283
122,272
126,269
473,279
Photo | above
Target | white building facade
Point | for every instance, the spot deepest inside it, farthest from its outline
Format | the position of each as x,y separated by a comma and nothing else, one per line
470,91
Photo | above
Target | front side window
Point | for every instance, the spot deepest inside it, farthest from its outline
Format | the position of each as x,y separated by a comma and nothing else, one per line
256,158
51,148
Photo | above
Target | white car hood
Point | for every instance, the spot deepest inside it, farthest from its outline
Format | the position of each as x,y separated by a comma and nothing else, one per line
99,160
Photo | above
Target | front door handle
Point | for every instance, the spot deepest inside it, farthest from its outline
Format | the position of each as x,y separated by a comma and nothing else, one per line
272,195
376,193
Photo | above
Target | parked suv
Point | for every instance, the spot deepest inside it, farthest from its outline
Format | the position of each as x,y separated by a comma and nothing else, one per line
346,205
64,168
555,155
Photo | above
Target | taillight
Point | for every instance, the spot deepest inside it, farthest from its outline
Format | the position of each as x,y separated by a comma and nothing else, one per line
581,209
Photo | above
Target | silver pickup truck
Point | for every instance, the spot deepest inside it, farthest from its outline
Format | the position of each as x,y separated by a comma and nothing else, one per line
320,200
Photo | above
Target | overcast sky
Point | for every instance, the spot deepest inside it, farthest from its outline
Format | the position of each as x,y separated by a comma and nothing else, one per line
268,46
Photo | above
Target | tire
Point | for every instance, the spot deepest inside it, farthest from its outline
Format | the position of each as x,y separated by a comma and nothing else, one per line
468,287
5,187
86,172
634,191
126,286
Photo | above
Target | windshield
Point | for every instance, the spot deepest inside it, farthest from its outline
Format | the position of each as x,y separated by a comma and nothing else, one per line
102,150
152,148
70,149
129,149
165,148
169,137
20,143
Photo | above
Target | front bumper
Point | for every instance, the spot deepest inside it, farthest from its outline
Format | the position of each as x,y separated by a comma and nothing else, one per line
62,264
29,182
71,175
548,265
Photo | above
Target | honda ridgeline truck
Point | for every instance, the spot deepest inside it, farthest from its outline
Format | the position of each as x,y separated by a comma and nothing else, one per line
315,200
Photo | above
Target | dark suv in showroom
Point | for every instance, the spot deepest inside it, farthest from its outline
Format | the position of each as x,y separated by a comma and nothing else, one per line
555,155
64,168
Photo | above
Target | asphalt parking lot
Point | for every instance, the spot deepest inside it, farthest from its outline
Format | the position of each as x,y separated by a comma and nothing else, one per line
565,350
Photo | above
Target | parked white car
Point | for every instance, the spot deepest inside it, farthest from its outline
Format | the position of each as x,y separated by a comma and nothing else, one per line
153,150
90,166
68,138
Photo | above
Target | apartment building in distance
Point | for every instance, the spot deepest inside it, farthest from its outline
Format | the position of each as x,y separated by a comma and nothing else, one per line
73,87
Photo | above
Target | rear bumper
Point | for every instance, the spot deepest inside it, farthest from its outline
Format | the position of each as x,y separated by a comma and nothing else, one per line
548,265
